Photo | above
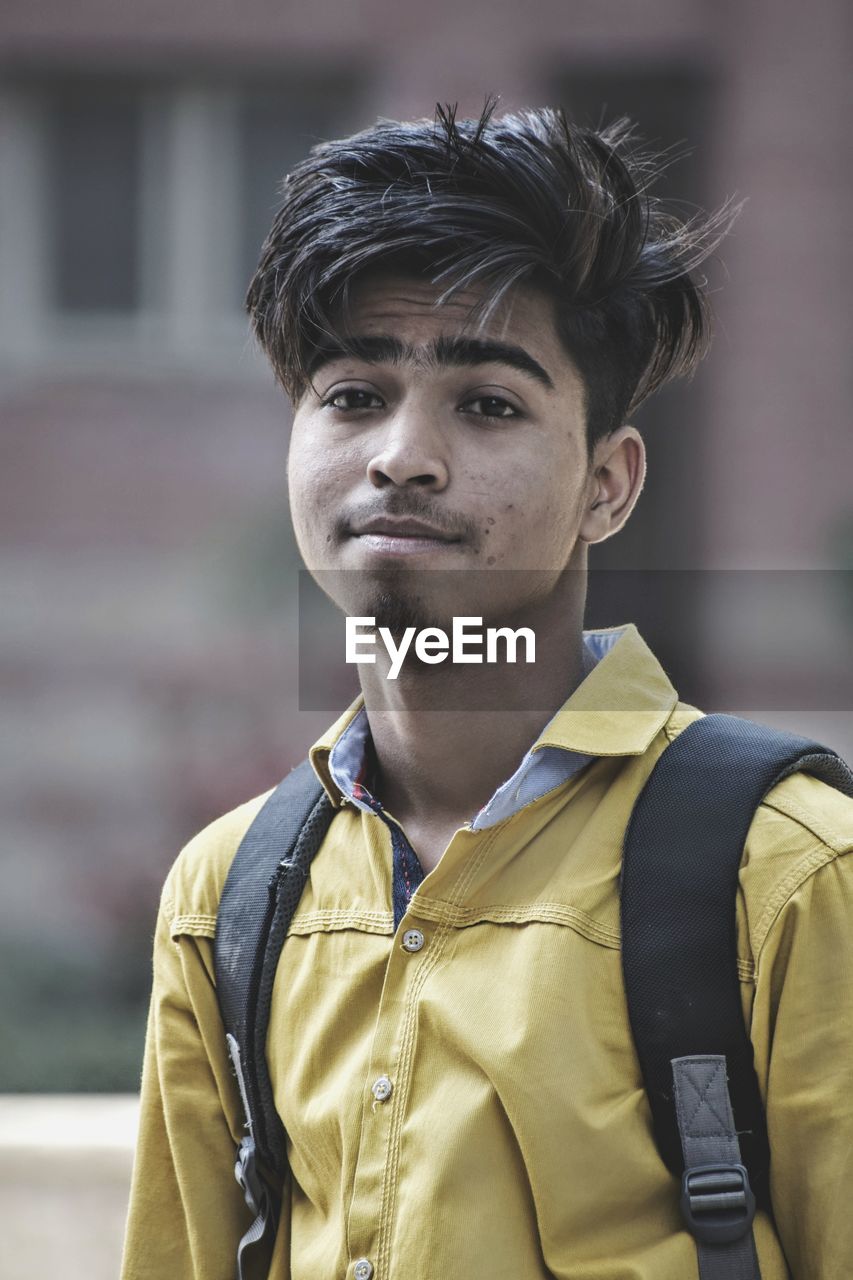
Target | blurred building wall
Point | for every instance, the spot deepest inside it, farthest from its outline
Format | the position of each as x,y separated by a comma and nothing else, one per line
147,572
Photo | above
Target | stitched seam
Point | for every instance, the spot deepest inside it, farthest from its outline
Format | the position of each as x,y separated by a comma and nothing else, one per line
536,913
203,925
809,822
702,1094
381,922
340,918
390,1180
793,881
345,926
497,909
389,1189
466,876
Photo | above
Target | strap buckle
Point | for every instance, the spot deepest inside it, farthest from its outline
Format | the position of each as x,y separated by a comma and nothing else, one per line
717,1202
248,1177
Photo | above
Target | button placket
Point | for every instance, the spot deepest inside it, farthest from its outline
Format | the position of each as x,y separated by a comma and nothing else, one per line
376,1161
371,1220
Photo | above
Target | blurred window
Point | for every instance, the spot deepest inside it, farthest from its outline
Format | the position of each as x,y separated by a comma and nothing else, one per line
147,184
277,127
93,174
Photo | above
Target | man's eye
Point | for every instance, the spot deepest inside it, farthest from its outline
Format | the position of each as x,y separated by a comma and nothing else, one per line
352,398
492,407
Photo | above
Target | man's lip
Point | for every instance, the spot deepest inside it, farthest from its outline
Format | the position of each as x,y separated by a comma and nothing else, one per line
403,528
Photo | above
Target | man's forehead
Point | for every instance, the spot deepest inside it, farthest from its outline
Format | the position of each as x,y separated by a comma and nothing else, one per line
402,319
381,297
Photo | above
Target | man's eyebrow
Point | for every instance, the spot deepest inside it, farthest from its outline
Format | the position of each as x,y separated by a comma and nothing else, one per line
456,352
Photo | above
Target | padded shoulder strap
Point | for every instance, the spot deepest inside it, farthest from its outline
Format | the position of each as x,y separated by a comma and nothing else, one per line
681,858
260,895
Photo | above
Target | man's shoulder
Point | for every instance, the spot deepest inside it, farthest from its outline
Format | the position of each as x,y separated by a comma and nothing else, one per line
194,884
799,813
821,812
801,826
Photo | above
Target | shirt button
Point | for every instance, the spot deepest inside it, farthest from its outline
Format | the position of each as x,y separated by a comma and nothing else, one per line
413,940
382,1089
363,1269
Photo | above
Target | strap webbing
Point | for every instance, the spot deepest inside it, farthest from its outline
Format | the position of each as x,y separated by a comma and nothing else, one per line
261,892
681,859
717,1203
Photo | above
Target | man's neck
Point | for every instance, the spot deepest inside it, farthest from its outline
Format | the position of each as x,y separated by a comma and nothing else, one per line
444,739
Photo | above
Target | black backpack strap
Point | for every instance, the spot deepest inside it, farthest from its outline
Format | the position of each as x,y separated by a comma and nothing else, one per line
717,1202
681,858
260,895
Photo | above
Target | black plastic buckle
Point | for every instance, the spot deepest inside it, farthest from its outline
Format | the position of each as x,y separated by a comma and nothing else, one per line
717,1202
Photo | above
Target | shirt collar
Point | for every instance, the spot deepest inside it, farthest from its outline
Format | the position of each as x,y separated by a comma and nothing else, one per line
618,708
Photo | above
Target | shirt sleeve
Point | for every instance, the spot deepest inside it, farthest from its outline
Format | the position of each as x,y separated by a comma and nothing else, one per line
187,1213
804,1006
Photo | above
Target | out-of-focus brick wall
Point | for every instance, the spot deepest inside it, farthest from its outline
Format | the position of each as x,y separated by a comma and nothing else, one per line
147,573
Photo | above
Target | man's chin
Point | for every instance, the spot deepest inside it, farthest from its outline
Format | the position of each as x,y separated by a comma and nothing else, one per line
396,597
399,597
398,610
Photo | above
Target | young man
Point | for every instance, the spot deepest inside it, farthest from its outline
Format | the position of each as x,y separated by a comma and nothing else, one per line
465,315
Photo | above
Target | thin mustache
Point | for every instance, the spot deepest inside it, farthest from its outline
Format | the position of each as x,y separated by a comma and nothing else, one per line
462,528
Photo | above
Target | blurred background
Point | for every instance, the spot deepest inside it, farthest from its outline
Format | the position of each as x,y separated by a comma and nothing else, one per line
148,659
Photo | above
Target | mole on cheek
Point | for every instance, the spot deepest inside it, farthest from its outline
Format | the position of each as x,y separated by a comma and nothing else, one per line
490,559
490,519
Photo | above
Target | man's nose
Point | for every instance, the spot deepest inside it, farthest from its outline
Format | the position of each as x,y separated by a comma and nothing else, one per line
412,450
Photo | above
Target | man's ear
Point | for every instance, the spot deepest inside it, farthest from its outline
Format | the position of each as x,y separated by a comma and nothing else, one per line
617,473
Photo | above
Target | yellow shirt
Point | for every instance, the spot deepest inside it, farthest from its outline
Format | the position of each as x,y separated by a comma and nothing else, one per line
516,1139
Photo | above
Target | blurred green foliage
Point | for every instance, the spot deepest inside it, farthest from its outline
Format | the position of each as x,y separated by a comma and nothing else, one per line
72,1016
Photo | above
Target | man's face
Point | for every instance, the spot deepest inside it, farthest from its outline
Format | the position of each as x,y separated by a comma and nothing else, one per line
475,436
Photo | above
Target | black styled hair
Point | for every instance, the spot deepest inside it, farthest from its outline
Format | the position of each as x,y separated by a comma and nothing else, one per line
526,198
